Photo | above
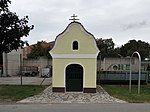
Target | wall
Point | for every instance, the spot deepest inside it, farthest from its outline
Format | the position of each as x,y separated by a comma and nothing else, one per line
40,63
123,64
63,55
75,32
11,62
89,66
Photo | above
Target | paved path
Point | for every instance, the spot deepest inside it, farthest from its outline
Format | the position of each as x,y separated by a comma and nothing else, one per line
25,81
72,97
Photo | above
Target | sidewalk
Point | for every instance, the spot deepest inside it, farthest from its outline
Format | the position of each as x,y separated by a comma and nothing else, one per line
25,81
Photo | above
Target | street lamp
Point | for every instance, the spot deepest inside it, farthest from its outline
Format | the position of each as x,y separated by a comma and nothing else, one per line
120,67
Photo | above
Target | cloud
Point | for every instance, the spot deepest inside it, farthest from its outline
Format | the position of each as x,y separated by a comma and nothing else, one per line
134,25
103,18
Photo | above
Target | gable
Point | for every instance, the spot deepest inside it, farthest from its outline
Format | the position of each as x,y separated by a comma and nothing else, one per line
76,36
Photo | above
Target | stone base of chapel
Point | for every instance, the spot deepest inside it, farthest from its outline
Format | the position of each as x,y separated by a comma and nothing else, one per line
62,90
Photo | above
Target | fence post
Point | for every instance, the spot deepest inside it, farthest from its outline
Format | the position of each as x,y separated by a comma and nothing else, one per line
5,68
21,68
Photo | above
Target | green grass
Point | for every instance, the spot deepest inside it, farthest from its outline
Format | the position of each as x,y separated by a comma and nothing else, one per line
16,93
122,92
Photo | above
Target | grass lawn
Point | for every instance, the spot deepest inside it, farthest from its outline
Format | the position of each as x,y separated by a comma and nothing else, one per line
15,93
122,92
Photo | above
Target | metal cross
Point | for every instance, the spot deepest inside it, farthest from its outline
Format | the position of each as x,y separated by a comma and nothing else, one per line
74,18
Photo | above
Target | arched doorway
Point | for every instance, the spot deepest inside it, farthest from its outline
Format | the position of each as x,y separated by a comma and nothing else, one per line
74,78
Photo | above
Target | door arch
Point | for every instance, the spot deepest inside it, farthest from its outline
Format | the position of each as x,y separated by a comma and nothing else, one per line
74,78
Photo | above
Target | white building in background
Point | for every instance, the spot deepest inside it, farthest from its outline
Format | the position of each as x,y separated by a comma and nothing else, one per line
12,62
118,64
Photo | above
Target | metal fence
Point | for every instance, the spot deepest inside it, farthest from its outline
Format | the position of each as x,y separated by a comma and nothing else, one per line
120,77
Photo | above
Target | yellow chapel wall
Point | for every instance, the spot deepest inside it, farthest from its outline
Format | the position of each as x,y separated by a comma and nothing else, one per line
89,66
87,44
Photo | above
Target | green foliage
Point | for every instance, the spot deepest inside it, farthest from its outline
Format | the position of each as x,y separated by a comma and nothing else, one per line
122,92
142,47
39,51
15,93
106,47
12,28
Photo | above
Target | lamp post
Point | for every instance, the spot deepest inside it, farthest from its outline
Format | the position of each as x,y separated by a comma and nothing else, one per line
120,61
139,77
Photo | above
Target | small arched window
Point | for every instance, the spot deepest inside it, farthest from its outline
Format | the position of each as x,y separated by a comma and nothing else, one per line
75,45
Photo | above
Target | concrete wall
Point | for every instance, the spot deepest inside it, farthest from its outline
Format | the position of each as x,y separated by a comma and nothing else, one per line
123,64
40,63
12,62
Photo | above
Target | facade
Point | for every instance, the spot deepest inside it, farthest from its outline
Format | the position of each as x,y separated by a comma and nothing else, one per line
42,64
12,62
118,64
74,60
117,70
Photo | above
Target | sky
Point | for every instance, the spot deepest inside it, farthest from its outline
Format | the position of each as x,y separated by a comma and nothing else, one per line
121,20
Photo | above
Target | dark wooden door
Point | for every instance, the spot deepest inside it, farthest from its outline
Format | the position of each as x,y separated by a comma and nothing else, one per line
74,78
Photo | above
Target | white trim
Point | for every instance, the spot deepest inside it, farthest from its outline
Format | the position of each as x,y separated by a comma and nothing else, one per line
74,56
65,73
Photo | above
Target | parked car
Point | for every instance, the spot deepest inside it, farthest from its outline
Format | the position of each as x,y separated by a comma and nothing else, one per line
29,70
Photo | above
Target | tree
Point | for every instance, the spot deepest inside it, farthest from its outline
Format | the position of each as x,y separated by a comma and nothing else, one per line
106,47
12,29
142,47
39,51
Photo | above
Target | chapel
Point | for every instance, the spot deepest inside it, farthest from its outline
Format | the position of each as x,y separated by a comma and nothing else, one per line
74,60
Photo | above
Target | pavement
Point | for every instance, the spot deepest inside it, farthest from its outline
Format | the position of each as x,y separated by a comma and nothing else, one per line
48,97
25,81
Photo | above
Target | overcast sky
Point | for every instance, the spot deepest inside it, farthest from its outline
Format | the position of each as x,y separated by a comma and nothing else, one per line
121,20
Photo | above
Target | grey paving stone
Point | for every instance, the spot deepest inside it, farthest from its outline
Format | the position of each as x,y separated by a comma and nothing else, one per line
101,96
